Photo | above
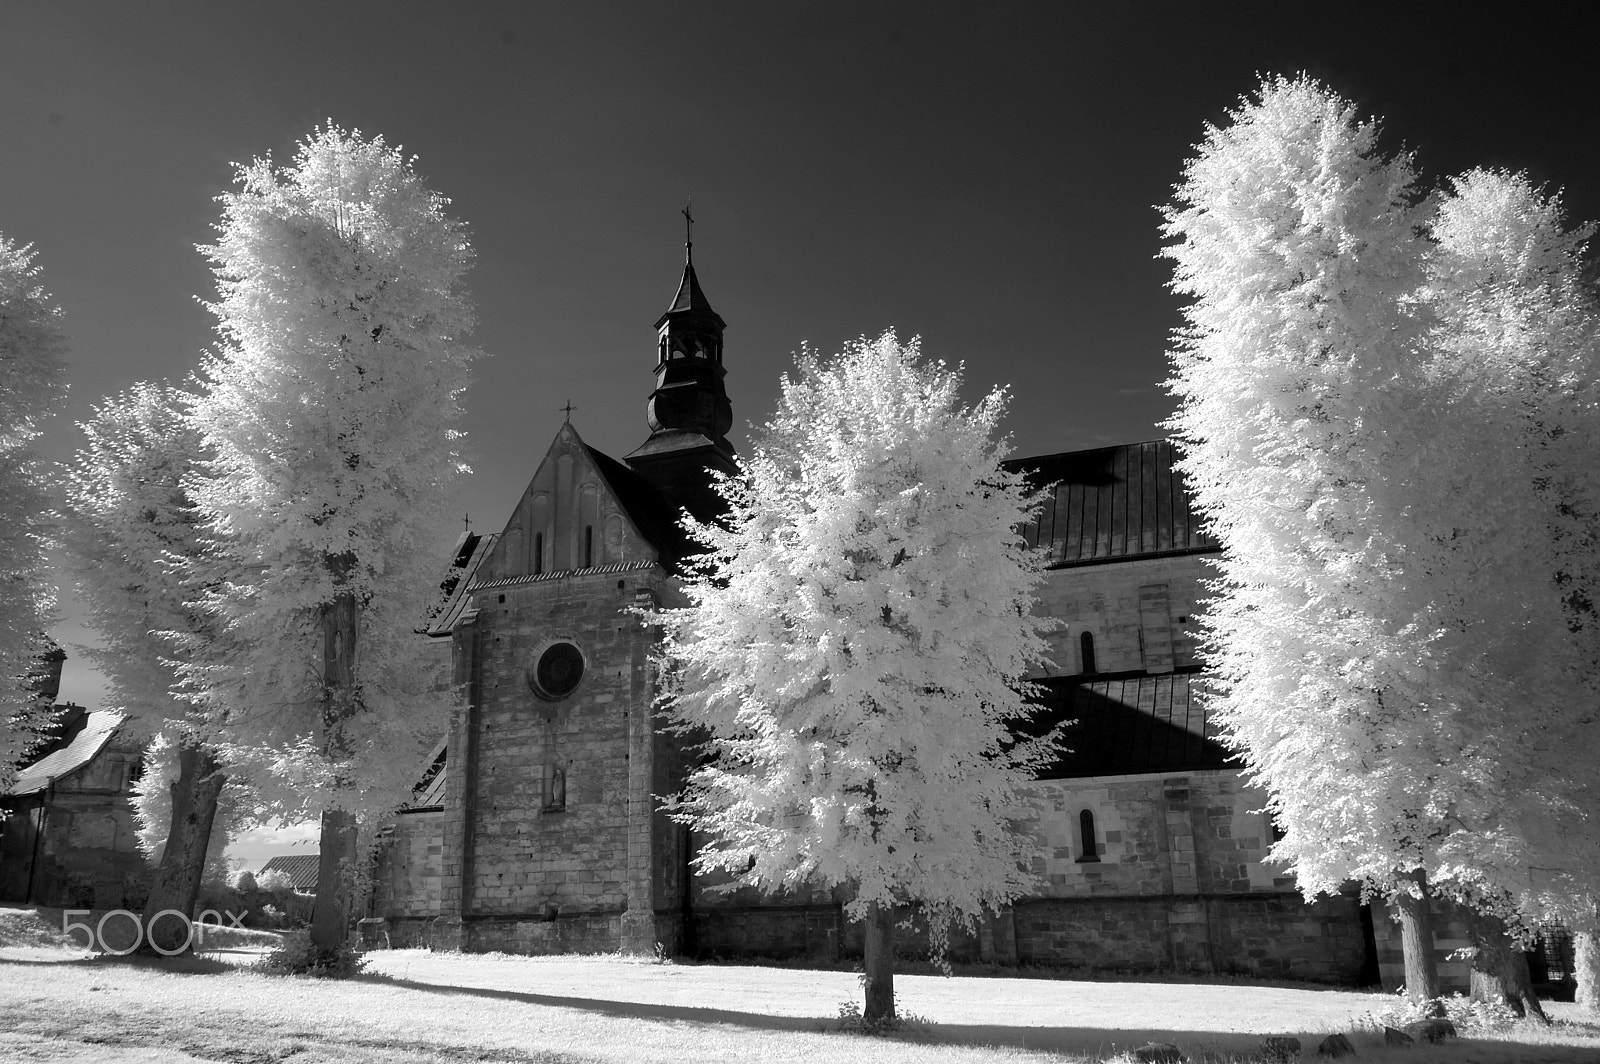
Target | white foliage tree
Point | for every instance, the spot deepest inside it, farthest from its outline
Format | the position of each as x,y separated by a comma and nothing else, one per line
331,407
1295,237
32,386
1513,429
854,647
1386,617
139,558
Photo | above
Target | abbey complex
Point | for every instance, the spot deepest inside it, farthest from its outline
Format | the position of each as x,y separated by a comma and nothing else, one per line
537,829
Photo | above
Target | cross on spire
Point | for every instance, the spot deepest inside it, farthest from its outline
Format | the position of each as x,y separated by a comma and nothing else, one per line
568,409
688,230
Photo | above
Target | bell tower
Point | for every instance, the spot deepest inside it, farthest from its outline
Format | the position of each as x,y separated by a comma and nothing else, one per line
688,412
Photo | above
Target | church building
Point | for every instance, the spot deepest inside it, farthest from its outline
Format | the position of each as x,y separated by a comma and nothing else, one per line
536,830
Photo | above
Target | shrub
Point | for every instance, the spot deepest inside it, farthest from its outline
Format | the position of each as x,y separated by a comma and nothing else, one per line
275,881
1465,1013
294,956
243,881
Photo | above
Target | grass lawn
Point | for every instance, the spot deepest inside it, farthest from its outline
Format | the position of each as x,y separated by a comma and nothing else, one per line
58,1003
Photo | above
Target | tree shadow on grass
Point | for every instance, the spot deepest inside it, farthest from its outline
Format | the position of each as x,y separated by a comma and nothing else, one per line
1096,1041
1072,1039
189,964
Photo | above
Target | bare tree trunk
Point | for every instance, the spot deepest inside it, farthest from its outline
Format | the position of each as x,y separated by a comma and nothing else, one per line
1499,969
183,859
878,964
1586,968
340,627
1416,938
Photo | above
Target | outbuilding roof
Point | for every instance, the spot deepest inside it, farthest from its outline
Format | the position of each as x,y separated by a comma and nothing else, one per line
301,867
1111,504
83,734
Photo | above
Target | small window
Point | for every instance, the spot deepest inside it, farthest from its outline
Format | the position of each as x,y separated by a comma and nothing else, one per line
588,546
1086,652
1086,838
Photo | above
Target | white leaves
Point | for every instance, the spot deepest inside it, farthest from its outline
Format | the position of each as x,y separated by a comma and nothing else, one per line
856,640
1380,429
330,411
139,555
32,385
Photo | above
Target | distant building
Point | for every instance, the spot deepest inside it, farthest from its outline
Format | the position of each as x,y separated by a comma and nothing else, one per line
538,828
68,837
301,869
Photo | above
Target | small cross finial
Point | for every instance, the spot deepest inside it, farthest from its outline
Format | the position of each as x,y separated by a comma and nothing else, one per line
466,522
568,409
688,229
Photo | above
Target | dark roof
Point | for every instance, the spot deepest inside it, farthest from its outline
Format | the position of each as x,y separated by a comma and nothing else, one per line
1128,725
1112,503
653,515
302,869
80,737
428,794
471,549
690,299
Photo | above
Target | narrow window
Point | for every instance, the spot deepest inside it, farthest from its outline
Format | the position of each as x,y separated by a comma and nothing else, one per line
538,553
1086,651
588,546
1086,834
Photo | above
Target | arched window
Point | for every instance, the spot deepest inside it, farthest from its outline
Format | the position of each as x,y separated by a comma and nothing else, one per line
1086,837
538,553
1086,651
588,546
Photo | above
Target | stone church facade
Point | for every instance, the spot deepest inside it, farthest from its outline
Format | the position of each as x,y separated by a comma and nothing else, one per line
537,831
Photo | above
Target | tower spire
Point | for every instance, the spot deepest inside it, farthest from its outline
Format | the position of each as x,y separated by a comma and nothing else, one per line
688,412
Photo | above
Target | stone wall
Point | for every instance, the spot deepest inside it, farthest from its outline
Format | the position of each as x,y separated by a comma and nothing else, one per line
89,855
1177,879
408,877
1140,612
521,851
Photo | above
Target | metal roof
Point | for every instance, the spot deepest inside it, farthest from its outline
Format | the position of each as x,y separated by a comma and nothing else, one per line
80,741
1129,725
302,869
1111,504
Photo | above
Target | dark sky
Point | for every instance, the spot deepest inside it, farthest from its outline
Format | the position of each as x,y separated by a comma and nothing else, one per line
983,175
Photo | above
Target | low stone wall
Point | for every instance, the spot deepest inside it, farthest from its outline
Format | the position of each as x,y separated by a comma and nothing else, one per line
576,933
1277,936
784,932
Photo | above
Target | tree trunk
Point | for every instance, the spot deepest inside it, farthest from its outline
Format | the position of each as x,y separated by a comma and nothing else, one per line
1499,968
330,914
340,626
1586,968
1416,938
183,859
878,964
